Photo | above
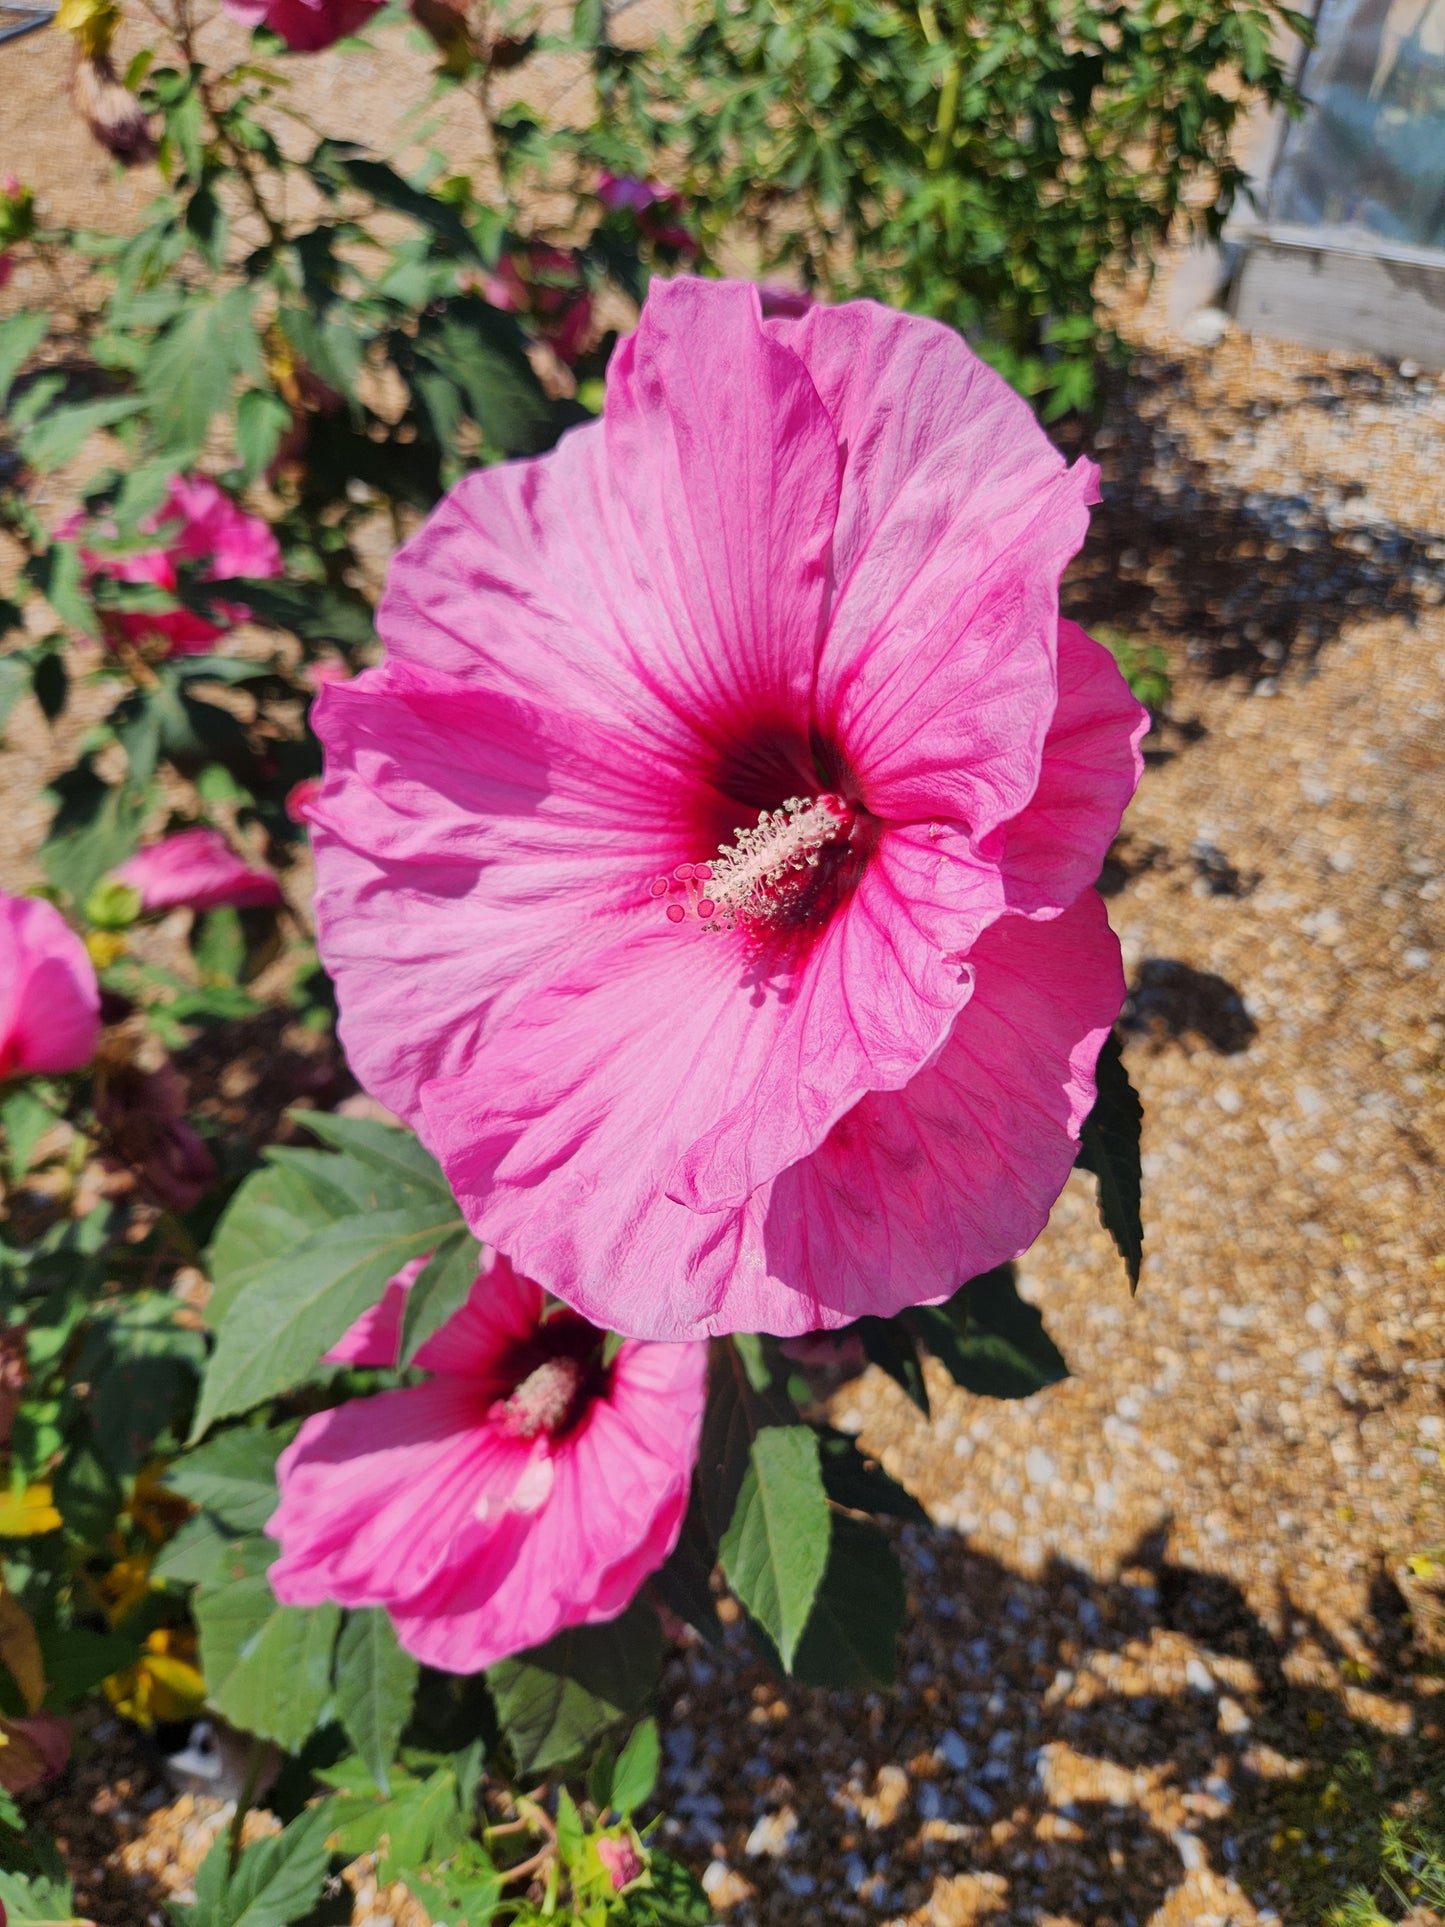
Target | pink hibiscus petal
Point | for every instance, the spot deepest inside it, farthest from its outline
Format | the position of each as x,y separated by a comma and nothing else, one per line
919,1190
1091,765
49,997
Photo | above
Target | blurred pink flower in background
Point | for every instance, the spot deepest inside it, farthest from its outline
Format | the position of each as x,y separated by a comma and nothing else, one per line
547,286
307,26
36,1748
197,868
49,998
524,1487
658,209
197,522
142,1110
707,871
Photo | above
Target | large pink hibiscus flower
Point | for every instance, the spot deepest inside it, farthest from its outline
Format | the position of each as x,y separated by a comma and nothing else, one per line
526,1486
706,873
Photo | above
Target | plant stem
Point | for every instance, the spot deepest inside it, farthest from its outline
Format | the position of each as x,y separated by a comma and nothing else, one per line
255,1760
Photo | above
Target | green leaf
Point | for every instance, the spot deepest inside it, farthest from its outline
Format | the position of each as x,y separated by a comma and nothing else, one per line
892,1347
991,1341
275,1332
26,1119
276,1881
851,1639
674,1899
192,367
570,1835
59,574
262,418
36,1900
77,1660
267,1667
1109,1147
441,1290
60,435
309,610
142,1366
681,1583
464,1891
556,1700
274,1211
16,671
375,1686
634,1777
20,336
775,1549
857,1482
233,1477
194,1556
398,1154
95,827
482,353
736,1412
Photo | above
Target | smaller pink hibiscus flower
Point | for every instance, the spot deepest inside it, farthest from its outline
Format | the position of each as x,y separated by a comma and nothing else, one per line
199,869
49,999
197,522
527,1485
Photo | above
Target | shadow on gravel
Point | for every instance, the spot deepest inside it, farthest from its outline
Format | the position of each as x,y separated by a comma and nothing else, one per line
1247,579
1172,1002
1048,1776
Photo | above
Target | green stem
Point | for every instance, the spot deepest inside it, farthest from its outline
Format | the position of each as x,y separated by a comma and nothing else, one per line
255,1760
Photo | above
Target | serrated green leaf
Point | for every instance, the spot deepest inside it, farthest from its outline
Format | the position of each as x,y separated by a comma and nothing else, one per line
556,1700
396,1153
275,1332
194,364
267,1667
37,1900
274,1211
233,1477
60,435
375,1686
275,1882
1109,1147
262,418
775,1549
194,1555
991,1341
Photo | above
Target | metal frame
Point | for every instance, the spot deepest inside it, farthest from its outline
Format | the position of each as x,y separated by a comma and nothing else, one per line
31,18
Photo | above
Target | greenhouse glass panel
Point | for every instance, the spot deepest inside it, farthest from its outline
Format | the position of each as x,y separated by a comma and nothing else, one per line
1369,154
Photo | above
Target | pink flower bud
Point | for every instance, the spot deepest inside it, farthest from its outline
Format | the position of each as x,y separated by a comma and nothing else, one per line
622,1861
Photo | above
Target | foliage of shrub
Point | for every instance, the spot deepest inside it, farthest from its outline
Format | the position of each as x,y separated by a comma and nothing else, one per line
991,164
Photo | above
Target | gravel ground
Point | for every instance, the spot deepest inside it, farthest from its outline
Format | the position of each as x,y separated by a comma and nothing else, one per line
1168,1590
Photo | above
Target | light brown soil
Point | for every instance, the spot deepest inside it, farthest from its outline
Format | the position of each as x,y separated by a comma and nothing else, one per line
1165,1586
